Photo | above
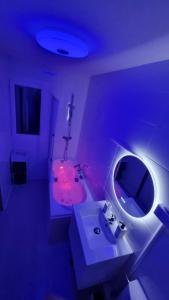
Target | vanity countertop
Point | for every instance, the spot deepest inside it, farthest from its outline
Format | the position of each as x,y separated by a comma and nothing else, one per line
96,247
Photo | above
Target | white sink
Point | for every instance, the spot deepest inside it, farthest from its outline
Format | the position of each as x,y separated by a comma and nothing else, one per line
97,247
95,240
95,258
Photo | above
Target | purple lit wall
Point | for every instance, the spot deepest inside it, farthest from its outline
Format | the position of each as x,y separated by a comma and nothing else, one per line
5,133
35,147
131,106
59,85
66,84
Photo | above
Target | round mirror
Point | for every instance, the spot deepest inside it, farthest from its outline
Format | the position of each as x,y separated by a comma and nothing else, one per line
133,186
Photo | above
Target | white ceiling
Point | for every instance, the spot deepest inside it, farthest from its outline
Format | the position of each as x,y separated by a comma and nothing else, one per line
119,33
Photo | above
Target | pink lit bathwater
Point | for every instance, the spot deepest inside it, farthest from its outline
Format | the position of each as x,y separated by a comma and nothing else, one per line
66,190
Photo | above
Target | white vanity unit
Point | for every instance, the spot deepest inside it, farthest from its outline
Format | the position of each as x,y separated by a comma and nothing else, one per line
96,258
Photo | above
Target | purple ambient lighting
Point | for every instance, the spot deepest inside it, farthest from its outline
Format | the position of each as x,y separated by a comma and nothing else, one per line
61,43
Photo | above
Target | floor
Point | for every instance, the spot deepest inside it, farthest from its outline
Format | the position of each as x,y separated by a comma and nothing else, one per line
30,268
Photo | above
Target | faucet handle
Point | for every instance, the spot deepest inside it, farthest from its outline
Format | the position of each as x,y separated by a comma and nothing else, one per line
120,230
122,225
112,218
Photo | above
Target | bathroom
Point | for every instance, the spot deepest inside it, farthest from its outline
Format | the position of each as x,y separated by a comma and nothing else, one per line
84,93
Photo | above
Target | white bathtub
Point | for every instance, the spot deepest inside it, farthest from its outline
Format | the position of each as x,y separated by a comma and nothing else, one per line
60,214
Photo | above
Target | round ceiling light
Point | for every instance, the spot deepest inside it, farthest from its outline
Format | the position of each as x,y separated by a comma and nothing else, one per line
61,43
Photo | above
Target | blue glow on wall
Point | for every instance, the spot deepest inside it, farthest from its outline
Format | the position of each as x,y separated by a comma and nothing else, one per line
130,105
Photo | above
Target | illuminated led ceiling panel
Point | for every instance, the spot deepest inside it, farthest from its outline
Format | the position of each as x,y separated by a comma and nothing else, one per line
61,43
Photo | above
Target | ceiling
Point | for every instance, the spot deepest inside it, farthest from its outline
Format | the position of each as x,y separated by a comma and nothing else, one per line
112,29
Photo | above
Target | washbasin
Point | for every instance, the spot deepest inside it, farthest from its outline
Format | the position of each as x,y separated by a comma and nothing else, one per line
94,231
95,236
98,259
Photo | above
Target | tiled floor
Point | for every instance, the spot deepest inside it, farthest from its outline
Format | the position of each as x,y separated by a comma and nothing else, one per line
30,268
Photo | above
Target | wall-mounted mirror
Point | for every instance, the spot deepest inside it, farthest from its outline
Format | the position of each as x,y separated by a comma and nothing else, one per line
133,186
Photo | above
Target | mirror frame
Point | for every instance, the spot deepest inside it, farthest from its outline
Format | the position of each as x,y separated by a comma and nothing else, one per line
154,204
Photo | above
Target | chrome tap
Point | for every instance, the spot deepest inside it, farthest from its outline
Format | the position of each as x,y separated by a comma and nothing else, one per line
80,170
110,220
120,230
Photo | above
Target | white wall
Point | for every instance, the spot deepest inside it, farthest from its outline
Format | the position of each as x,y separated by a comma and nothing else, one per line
35,147
60,85
153,270
67,84
5,133
152,51
131,107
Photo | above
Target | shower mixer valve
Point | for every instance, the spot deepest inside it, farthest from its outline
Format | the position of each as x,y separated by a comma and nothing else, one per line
80,170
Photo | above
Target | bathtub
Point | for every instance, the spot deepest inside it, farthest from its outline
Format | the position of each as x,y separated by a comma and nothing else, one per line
64,192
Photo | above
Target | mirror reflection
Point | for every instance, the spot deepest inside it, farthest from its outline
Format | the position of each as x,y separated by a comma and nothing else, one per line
133,186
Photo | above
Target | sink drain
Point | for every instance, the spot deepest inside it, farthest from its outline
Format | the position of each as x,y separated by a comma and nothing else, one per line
97,230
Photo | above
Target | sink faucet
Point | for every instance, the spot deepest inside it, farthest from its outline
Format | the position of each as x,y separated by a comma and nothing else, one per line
107,210
112,218
107,223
